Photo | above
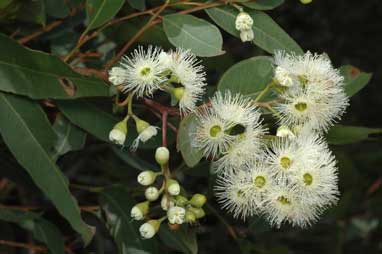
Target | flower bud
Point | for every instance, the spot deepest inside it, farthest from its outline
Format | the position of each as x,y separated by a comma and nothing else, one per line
176,215
284,132
149,229
243,21
119,132
173,187
139,211
284,77
147,177
181,201
140,124
152,193
166,203
162,155
178,92
165,59
190,217
305,1
247,35
199,212
198,200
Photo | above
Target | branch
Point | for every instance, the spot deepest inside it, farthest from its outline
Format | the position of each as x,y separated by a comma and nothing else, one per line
36,248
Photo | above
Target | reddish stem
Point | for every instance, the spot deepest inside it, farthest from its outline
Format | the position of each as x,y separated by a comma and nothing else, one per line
164,128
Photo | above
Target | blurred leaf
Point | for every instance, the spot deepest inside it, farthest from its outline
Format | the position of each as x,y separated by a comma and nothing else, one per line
341,134
183,239
132,159
264,4
354,79
137,4
88,117
268,34
117,204
70,137
191,155
57,8
42,230
248,77
32,11
40,75
23,120
189,32
100,11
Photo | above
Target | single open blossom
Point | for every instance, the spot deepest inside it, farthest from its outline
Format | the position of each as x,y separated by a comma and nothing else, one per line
140,73
186,71
315,94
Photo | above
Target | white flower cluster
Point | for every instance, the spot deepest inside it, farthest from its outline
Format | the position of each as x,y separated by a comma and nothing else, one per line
292,178
313,91
178,72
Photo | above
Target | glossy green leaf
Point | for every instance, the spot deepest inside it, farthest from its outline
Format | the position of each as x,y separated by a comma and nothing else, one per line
57,8
100,11
268,34
354,79
42,230
248,77
341,134
88,117
183,239
189,32
137,4
263,4
191,155
39,75
24,128
117,204
70,137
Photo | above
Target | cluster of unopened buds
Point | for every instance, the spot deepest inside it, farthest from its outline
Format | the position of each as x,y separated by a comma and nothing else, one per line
172,198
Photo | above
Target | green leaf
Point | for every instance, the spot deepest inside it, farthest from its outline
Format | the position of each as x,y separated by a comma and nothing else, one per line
32,11
100,11
189,32
132,159
341,134
39,75
29,136
70,137
117,204
57,8
137,4
354,79
88,117
42,230
264,4
248,77
183,239
268,34
191,155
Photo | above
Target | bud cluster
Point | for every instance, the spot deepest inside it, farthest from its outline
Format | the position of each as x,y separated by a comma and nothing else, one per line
178,208
243,24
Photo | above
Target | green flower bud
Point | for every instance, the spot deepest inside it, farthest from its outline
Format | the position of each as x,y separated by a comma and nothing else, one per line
147,177
173,187
199,212
139,211
180,200
190,217
178,92
140,124
305,1
162,155
198,200
150,228
119,132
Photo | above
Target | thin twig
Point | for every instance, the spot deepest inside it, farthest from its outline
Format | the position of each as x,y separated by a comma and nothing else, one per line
36,248
45,29
164,128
